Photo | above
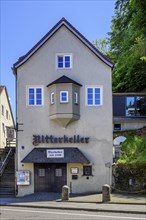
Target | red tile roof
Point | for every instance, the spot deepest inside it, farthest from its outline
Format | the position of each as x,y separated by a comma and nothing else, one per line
62,22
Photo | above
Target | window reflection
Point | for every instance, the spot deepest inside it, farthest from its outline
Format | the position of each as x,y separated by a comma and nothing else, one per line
136,106
141,105
130,106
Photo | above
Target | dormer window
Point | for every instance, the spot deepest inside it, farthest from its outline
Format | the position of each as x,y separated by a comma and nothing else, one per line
63,96
64,61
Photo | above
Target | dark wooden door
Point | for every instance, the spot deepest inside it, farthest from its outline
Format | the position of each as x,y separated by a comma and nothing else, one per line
49,177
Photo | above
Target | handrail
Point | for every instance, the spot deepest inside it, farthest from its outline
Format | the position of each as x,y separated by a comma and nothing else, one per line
4,163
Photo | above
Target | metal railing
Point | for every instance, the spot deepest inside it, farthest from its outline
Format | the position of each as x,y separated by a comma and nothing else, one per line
4,163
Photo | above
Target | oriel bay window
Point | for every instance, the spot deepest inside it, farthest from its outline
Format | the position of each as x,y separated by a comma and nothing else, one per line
64,97
94,96
35,96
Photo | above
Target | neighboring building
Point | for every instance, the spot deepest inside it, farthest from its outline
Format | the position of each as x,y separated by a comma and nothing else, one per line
129,111
7,124
64,114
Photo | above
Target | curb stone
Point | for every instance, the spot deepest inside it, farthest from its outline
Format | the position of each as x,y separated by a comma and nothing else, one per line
76,208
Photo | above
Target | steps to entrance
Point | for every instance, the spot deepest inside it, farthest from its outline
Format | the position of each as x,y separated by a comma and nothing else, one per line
7,180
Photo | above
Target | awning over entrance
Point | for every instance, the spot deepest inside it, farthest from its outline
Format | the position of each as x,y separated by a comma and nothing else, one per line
55,155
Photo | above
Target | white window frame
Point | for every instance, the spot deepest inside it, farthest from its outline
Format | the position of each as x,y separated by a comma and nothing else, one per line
63,55
101,95
52,98
76,98
61,101
35,103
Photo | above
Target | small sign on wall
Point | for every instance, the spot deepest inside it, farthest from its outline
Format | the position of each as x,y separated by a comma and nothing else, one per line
23,177
10,133
55,153
74,170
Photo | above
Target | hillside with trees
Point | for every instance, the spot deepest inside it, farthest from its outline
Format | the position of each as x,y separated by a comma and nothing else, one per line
126,46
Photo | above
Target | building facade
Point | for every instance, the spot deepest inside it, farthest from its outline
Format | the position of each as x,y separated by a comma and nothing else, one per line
7,124
129,111
64,114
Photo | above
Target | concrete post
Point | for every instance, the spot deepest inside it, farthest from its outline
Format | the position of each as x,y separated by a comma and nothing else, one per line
106,196
65,193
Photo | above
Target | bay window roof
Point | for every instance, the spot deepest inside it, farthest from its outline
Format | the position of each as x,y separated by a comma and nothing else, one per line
64,79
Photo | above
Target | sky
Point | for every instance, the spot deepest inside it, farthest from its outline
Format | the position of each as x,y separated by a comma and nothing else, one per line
24,22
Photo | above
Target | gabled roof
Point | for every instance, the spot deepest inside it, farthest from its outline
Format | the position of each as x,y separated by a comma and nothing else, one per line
3,88
62,22
64,79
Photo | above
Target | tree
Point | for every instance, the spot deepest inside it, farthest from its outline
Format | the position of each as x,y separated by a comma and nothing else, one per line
128,46
102,45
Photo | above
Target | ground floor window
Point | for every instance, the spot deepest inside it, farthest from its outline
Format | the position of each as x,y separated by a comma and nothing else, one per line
87,170
117,127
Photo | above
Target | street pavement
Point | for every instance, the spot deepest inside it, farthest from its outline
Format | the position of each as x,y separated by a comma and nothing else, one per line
120,203
23,213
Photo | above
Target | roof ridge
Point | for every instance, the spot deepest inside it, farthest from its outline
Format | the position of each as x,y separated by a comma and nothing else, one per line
49,34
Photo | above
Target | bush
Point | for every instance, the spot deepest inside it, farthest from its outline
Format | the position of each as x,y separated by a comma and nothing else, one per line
129,176
133,150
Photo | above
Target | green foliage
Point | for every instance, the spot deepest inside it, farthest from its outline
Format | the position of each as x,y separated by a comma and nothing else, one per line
102,45
128,46
133,150
122,172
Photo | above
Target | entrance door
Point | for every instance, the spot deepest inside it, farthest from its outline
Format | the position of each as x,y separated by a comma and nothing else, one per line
49,177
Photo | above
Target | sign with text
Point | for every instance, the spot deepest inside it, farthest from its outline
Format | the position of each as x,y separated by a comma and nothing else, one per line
51,139
55,153
23,177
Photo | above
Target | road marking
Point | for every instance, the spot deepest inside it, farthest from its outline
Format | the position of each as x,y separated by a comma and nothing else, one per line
70,213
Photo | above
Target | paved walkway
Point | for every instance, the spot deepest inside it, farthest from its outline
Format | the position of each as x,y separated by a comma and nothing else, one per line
123,203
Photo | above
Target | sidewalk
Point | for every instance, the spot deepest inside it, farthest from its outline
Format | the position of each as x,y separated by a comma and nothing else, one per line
123,203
